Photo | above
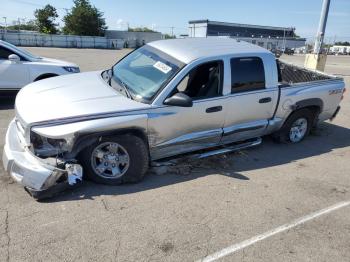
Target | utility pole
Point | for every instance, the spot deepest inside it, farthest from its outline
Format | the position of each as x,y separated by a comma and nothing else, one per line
98,26
172,31
317,60
19,24
24,21
5,18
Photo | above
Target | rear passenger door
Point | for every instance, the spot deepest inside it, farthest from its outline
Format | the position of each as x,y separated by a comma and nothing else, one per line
252,100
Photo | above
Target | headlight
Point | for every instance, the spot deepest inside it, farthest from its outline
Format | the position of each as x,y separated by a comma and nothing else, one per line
47,146
72,69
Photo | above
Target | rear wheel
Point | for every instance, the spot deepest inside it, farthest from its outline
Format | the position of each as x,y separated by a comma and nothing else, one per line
116,160
296,127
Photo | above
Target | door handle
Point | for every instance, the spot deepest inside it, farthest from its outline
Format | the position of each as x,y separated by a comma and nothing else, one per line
265,100
213,109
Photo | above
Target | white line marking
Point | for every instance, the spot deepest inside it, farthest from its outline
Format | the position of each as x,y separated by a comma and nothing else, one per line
236,247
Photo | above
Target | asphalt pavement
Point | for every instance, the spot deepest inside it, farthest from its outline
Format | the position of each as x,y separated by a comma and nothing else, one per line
198,208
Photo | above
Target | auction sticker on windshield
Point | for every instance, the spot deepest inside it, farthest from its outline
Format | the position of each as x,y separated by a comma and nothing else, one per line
162,67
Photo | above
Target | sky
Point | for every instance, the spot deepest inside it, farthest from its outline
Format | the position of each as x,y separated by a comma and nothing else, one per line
162,15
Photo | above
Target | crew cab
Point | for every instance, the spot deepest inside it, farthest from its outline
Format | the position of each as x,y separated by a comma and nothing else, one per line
18,67
199,96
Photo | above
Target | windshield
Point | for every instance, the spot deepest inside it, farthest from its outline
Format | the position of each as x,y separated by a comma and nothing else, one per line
22,51
145,71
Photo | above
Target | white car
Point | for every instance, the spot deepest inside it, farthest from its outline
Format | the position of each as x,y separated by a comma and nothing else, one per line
19,67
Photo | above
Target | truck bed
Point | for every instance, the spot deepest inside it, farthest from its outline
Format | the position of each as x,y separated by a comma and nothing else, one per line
289,74
300,84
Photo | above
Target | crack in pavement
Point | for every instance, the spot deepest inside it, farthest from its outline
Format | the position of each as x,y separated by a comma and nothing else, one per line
7,236
7,231
105,205
116,251
206,224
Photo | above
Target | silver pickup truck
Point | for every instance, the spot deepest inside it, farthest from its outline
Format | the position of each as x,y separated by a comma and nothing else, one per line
200,96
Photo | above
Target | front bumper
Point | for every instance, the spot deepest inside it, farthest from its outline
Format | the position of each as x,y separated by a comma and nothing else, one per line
29,170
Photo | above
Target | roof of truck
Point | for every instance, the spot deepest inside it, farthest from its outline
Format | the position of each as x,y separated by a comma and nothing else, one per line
189,49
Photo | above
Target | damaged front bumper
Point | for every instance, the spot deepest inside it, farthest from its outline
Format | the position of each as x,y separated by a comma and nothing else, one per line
39,178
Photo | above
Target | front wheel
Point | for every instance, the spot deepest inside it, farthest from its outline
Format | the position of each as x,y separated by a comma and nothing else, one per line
296,127
116,160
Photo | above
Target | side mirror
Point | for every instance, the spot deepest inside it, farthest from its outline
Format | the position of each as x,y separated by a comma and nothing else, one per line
179,99
14,58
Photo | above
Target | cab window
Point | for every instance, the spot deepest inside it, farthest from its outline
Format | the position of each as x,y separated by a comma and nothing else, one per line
204,81
247,74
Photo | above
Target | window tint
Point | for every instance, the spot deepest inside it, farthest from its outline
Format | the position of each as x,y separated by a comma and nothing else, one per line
204,81
4,53
247,74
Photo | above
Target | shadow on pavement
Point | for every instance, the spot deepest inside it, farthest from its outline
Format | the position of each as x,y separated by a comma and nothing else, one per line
7,99
327,138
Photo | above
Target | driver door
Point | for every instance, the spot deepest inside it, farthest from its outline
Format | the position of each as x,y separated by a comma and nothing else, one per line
12,75
174,130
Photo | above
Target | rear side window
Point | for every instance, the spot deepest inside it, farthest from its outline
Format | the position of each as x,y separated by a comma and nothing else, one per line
247,74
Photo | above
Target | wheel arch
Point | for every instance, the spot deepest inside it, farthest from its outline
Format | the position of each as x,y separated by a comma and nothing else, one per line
44,76
315,105
85,140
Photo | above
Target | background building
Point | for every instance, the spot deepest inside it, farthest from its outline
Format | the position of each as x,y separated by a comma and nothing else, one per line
270,37
133,39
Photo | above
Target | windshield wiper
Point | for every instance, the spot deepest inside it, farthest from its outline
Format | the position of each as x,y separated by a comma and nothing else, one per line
126,88
110,76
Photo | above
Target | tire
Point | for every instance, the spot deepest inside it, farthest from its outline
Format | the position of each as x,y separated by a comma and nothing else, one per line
126,156
294,130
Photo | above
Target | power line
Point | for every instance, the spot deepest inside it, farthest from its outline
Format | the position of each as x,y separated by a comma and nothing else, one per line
27,3
37,5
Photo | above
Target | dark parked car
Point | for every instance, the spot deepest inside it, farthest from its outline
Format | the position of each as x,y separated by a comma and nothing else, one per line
276,52
288,51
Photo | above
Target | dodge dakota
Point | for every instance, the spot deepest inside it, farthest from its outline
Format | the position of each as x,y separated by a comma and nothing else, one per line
201,96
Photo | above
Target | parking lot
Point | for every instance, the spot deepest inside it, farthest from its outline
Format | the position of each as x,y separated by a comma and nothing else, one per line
198,208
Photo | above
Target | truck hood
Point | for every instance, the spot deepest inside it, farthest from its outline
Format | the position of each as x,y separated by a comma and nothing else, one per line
70,96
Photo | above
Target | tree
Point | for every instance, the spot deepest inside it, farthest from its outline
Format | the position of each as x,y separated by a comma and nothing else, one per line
30,26
45,19
84,19
140,29
167,36
342,43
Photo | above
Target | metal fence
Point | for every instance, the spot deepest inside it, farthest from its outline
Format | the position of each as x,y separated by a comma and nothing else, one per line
67,41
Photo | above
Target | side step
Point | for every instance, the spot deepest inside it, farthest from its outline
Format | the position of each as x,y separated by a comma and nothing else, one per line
228,149
215,151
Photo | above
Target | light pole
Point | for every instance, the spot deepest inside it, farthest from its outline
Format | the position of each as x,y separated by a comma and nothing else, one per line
322,27
317,60
284,41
